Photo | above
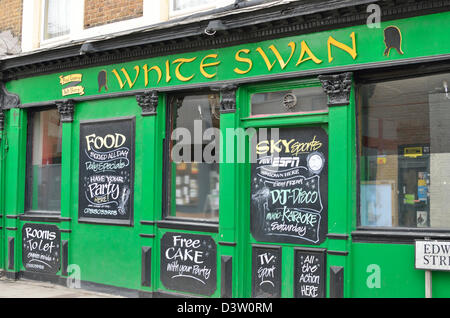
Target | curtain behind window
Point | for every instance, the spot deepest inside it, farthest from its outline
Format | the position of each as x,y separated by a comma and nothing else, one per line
179,5
56,18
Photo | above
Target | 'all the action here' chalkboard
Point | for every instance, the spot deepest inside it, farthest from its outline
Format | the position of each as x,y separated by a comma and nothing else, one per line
106,175
309,273
289,186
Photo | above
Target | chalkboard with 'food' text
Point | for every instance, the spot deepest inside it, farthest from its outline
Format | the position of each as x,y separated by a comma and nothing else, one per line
106,173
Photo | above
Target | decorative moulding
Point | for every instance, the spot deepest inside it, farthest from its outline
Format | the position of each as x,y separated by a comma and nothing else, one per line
337,87
66,109
148,101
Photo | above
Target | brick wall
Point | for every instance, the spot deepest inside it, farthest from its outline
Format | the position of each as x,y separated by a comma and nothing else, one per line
11,17
100,12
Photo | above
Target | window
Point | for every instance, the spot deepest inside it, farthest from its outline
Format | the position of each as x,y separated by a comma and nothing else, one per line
405,153
43,186
180,7
193,182
300,100
56,18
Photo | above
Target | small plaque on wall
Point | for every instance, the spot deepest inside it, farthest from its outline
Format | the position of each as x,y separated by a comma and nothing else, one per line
106,173
266,272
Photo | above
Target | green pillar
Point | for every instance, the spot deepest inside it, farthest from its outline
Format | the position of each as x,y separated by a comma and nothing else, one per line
341,173
14,194
228,196
2,196
150,203
66,109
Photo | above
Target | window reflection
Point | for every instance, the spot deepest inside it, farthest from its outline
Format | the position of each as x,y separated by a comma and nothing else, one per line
307,99
194,168
44,161
405,153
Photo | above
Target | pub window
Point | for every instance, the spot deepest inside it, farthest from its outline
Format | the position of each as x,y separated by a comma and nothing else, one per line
193,172
56,18
405,152
298,100
43,182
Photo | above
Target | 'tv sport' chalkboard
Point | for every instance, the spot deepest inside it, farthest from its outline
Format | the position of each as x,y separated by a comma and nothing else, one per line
266,272
106,176
289,186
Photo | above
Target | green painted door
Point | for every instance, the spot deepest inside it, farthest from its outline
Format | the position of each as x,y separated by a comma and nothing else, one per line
105,248
285,192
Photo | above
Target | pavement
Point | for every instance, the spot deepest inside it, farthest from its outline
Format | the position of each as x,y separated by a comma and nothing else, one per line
32,289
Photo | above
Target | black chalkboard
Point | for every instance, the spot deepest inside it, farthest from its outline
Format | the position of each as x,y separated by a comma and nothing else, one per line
188,263
309,273
41,248
266,272
289,186
106,175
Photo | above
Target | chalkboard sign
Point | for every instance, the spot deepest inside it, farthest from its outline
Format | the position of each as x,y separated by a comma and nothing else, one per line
289,186
41,248
188,263
106,176
266,272
309,273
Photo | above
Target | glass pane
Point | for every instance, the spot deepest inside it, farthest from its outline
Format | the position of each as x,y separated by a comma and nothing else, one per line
179,5
56,18
44,165
194,170
308,99
405,153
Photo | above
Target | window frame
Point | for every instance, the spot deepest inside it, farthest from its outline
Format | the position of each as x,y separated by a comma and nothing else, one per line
276,87
43,19
383,234
28,165
176,222
32,23
209,6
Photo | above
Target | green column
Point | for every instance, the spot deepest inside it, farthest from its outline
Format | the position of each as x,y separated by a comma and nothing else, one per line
150,203
14,194
341,174
229,184
66,109
2,194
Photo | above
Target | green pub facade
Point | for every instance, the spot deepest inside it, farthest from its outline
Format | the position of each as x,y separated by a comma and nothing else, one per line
293,151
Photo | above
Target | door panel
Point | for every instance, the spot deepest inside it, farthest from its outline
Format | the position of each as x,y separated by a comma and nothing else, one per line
288,211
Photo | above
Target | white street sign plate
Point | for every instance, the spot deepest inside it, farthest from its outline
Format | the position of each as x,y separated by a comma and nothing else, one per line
433,255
